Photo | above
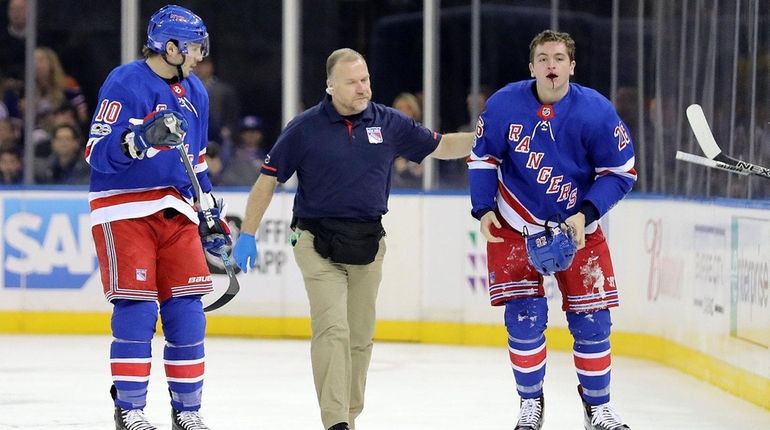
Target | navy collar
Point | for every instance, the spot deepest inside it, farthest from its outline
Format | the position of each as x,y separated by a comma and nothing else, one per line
334,116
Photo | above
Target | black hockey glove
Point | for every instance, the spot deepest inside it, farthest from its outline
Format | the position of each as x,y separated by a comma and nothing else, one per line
217,236
161,130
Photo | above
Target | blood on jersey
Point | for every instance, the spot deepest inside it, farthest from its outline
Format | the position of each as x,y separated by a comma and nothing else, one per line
546,112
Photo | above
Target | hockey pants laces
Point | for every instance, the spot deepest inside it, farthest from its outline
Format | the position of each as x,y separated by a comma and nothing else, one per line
605,414
530,412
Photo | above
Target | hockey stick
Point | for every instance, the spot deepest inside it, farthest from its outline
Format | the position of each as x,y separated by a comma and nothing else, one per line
233,287
708,144
703,161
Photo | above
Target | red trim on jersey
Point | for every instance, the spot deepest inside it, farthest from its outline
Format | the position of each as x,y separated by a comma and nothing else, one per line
515,205
270,168
117,199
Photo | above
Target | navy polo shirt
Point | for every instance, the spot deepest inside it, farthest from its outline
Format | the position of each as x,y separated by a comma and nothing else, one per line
343,164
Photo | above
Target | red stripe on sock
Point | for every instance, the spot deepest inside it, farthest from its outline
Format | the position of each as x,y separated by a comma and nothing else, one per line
130,369
593,364
184,371
526,361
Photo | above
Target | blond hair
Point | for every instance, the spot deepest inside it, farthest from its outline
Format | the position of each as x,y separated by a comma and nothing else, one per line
52,85
413,102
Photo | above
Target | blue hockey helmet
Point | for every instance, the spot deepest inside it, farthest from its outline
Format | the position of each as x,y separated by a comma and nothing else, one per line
552,250
181,25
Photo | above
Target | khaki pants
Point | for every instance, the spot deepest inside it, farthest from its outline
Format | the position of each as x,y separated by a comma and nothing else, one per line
342,314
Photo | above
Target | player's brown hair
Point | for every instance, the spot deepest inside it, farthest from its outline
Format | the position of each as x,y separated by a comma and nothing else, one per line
342,54
147,52
552,36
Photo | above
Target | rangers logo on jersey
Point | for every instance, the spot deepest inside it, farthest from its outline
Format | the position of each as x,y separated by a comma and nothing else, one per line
374,134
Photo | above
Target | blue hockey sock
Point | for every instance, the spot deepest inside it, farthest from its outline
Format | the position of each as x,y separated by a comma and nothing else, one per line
526,320
592,355
184,326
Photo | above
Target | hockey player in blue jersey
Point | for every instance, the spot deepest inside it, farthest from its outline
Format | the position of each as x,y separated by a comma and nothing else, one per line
548,150
145,221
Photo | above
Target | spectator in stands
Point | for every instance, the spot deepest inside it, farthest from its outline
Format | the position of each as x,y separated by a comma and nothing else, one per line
12,35
10,135
66,164
407,174
3,108
475,104
243,168
65,115
12,42
10,167
454,173
214,161
225,109
56,89
409,105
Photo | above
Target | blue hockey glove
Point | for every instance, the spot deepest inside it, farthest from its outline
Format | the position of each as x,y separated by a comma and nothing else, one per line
214,238
161,130
551,250
245,252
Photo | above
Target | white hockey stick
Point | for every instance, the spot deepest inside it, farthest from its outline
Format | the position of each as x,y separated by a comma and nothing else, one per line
704,136
703,161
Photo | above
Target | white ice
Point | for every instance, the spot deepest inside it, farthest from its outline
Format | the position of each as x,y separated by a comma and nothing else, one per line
62,382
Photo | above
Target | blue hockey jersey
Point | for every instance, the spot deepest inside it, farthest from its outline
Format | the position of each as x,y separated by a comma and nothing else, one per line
123,188
533,162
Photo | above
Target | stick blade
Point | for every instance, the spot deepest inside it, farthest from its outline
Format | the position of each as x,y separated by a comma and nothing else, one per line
232,288
232,291
700,127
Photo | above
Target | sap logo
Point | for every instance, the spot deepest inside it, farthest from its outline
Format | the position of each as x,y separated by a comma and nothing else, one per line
47,244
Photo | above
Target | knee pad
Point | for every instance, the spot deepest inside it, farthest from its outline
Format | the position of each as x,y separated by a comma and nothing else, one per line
526,318
183,320
134,320
590,326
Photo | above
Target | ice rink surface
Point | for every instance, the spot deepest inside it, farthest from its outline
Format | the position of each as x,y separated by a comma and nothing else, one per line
62,382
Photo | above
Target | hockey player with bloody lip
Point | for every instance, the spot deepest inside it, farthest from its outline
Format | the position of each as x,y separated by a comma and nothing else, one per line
548,150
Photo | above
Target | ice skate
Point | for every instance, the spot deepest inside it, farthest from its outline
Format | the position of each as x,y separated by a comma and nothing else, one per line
130,419
601,417
187,420
340,426
531,413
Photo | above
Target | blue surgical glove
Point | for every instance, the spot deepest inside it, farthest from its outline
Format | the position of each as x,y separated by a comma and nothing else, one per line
245,252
